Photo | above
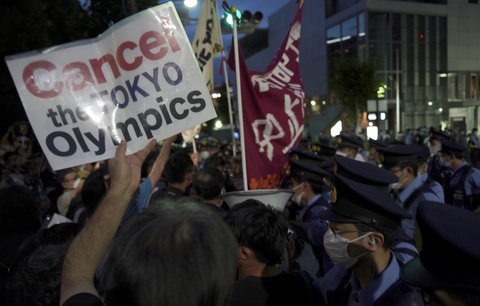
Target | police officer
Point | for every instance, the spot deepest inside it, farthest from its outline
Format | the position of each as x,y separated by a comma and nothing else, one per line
411,189
448,268
436,171
308,183
403,247
463,188
349,146
358,241
373,155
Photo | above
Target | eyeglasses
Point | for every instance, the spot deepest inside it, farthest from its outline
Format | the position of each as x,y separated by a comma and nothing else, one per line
341,232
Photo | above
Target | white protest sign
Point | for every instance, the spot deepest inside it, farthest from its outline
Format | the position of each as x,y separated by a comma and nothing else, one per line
138,80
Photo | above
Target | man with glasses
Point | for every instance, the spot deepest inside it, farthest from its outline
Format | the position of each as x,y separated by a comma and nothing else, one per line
366,272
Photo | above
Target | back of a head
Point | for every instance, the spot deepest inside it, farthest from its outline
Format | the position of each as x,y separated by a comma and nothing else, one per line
93,190
176,253
215,161
208,183
18,211
260,228
178,165
36,273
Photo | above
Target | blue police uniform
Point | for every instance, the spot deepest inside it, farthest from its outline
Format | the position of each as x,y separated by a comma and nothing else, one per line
380,178
463,187
450,255
312,258
418,191
361,203
313,207
340,287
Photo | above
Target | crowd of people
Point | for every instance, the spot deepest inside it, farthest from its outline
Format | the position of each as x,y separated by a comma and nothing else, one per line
369,222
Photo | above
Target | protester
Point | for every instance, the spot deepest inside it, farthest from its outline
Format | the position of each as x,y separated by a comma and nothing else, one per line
179,172
208,184
261,233
72,186
35,275
19,220
173,254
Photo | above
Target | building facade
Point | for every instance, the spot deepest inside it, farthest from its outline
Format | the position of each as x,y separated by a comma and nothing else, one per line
430,49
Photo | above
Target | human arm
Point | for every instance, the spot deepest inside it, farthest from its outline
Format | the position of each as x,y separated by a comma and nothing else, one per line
161,160
91,244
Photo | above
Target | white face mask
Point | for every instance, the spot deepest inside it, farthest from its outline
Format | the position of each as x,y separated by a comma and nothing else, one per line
337,248
395,186
297,198
434,149
445,162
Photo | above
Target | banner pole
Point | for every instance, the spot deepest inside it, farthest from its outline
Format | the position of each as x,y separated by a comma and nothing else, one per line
239,101
229,99
194,145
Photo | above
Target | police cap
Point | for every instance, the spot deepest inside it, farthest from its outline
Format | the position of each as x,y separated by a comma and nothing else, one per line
361,203
451,146
450,255
308,169
364,172
394,155
353,142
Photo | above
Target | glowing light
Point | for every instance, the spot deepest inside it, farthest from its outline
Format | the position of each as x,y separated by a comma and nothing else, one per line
372,132
336,129
190,3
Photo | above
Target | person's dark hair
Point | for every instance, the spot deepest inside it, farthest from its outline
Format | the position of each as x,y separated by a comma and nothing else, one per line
459,155
93,190
149,161
409,164
177,167
18,210
317,187
175,253
36,273
208,183
215,161
388,236
260,228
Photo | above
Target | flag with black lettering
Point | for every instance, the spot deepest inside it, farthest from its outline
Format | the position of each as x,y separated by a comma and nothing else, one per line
206,43
273,111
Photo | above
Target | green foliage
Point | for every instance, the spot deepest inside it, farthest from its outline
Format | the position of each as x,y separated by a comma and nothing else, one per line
353,82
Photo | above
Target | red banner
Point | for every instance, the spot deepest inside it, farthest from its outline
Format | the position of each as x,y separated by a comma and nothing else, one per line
273,111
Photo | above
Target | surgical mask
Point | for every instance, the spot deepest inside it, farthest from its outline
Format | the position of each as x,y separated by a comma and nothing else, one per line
336,247
297,198
395,186
434,149
445,162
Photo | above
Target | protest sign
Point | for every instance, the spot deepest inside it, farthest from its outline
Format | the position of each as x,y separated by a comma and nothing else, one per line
138,80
